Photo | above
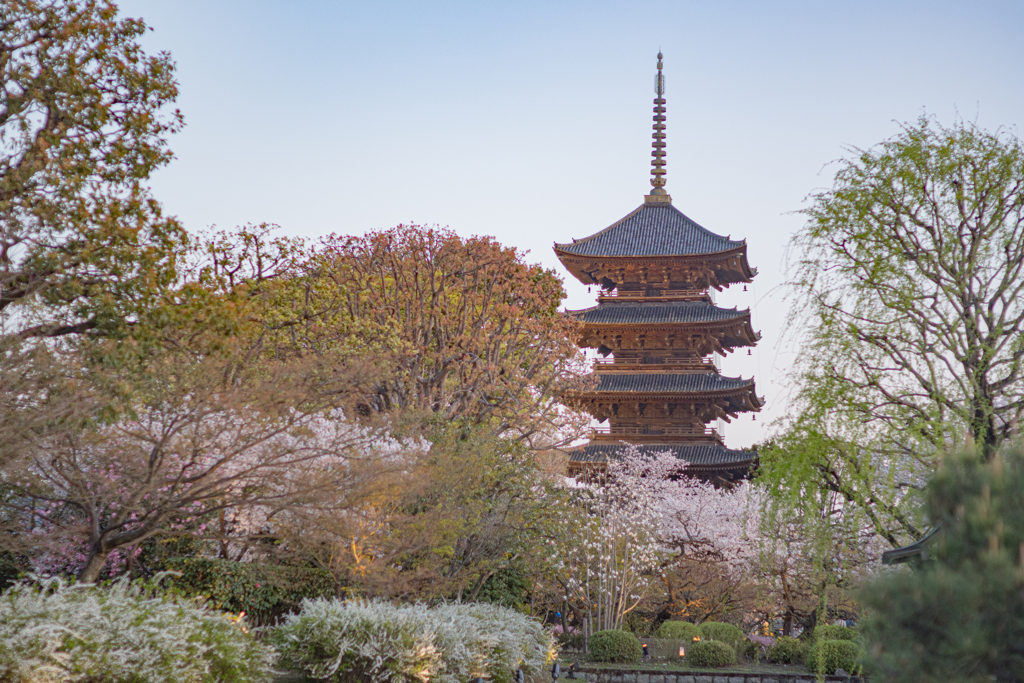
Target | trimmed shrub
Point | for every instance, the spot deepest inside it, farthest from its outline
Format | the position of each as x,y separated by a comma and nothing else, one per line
825,656
726,633
264,592
711,653
787,650
614,646
122,633
352,641
828,632
679,630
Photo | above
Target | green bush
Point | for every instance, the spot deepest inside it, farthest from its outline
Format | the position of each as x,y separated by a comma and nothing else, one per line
264,592
787,650
357,641
828,632
726,633
122,633
614,646
711,653
825,656
679,630
508,587
748,649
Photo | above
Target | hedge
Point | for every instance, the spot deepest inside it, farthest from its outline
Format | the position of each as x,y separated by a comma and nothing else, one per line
124,632
678,630
787,650
358,641
829,632
614,646
825,656
264,592
711,653
726,633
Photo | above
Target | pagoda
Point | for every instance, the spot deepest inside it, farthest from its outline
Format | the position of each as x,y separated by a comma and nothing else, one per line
656,328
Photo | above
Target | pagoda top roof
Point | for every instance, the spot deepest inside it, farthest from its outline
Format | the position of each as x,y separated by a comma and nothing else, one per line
662,383
673,312
704,455
652,230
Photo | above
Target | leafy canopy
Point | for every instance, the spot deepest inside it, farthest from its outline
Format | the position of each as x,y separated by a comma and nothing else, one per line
907,281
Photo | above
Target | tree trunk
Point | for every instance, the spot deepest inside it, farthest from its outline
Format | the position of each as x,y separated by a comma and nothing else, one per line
93,566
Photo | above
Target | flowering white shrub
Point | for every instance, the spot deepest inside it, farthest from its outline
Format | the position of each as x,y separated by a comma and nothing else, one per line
377,641
56,632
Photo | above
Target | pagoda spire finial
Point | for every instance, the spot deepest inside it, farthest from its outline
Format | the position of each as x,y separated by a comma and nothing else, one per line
658,195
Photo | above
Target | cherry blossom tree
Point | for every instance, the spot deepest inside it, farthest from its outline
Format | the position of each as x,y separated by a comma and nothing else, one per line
643,519
193,448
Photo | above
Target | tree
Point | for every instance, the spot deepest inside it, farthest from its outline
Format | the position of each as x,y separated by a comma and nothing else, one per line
472,332
83,246
605,555
957,615
710,536
908,279
185,446
646,522
435,519
810,560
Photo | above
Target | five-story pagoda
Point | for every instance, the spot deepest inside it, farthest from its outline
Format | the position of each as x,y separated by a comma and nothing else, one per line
656,327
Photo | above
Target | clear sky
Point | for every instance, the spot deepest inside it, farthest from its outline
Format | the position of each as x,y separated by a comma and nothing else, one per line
531,121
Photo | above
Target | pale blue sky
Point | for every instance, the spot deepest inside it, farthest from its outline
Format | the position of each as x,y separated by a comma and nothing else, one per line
531,121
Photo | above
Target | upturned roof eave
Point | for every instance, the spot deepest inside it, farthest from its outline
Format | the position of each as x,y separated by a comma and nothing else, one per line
740,248
740,316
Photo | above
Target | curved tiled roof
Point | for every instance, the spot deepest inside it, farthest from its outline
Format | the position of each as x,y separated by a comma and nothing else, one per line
697,455
651,230
661,383
613,313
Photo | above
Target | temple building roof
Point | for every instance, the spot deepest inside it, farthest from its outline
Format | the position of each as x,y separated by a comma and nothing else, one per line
652,230
655,313
661,383
705,455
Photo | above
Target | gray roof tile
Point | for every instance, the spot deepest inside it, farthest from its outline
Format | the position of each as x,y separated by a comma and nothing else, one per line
656,312
652,230
661,383
699,455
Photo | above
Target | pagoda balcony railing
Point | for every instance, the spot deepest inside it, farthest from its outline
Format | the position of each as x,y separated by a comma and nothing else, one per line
634,364
645,294
625,432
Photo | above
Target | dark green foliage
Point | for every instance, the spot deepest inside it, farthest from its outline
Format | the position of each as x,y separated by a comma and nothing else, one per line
726,633
572,641
509,587
679,630
748,649
958,615
711,653
614,646
787,650
825,656
829,632
11,567
264,592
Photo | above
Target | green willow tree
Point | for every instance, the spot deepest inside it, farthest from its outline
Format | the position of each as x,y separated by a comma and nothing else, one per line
907,280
